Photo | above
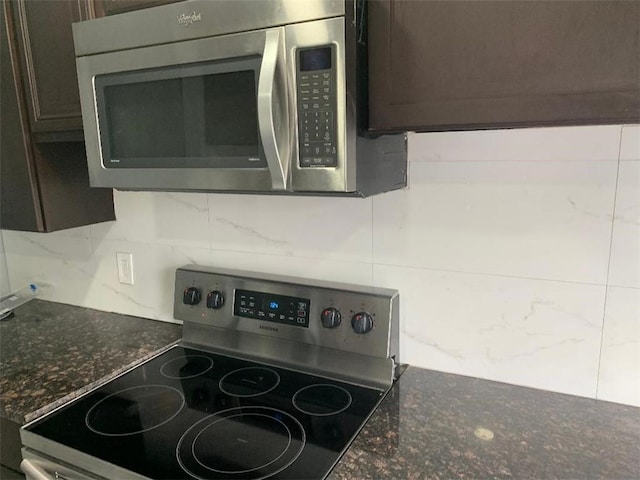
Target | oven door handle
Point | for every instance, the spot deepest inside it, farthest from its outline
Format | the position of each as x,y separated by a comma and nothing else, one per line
272,108
33,472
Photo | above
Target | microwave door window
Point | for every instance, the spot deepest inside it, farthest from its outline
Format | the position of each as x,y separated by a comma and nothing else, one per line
145,122
194,116
221,117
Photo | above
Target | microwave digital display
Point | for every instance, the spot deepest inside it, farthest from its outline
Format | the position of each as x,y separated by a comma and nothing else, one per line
315,59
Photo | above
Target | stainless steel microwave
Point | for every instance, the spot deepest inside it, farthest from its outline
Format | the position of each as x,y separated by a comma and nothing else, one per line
256,96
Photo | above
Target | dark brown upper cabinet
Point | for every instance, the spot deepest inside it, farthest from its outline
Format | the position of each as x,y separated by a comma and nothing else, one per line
447,65
44,185
45,43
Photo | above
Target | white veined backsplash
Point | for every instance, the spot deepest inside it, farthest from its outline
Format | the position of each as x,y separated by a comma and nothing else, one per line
516,253
4,274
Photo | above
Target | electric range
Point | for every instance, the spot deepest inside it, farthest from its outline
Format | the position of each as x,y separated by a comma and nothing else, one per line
273,378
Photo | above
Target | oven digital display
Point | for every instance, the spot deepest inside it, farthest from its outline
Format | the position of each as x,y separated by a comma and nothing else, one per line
272,308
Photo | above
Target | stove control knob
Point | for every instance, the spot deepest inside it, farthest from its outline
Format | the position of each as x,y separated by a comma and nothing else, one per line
330,317
191,296
362,322
215,300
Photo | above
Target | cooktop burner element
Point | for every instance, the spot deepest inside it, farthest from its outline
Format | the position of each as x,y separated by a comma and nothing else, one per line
244,442
188,367
134,410
261,386
322,400
249,382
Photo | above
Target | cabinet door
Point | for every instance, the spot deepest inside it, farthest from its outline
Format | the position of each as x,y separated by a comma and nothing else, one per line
111,7
437,65
19,202
43,186
46,47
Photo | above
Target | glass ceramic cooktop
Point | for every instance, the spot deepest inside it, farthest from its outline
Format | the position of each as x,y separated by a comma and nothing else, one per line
193,414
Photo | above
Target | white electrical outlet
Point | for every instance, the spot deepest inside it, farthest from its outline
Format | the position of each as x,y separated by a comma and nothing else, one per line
125,267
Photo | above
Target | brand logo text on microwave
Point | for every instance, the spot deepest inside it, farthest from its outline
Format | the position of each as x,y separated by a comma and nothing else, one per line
189,19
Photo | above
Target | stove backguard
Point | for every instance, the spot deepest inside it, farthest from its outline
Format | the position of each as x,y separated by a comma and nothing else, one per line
344,331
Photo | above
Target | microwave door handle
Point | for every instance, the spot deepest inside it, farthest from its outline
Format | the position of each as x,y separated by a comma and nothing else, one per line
266,122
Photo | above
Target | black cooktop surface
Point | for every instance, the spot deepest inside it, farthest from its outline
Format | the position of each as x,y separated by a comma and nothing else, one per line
194,414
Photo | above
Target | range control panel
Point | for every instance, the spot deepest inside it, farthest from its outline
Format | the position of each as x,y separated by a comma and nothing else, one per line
272,308
316,80
353,318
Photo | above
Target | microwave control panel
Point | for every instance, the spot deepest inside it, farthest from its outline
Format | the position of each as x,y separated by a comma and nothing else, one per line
316,90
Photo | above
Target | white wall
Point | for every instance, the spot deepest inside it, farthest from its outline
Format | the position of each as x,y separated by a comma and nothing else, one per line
516,253
4,274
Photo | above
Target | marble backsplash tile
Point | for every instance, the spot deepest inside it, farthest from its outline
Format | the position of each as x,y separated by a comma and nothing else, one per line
562,144
548,220
167,218
504,248
630,143
619,373
328,228
537,333
5,286
624,269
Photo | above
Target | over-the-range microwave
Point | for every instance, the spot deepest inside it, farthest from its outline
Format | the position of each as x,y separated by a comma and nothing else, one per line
256,96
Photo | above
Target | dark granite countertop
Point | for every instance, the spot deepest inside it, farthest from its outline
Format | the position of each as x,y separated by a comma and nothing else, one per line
51,352
440,426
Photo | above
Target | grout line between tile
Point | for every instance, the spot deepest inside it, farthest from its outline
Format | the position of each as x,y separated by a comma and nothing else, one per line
372,254
606,287
209,229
